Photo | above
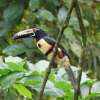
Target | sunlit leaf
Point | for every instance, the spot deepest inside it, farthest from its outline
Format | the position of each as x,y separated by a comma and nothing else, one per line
4,71
13,59
65,86
16,67
22,90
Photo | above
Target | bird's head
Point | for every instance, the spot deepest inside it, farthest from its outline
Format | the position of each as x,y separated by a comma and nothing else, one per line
30,33
43,41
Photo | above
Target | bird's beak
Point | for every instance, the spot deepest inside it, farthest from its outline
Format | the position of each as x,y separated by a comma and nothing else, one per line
25,34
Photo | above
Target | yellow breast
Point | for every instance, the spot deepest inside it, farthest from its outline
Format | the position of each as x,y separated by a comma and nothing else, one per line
43,46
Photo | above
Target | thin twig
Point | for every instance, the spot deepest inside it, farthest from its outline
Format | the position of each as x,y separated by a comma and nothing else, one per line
83,32
48,71
82,28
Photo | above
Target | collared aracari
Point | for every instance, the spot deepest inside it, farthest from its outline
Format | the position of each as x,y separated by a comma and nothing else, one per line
46,45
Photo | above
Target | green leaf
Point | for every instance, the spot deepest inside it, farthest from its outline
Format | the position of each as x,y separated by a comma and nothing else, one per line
75,23
74,43
12,12
10,94
4,71
89,82
16,66
33,81
93,95
10,79
15,63
54,92
96,87
68,33
13,59
34,4
41,65
76,48
65,86
45,15
62,15
22,90
85,90
15,49
11,16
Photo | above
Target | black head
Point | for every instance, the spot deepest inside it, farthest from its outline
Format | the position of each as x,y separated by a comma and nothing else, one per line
29,33
40,34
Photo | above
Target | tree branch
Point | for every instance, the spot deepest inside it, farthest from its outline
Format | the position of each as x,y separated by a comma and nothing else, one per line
83,33
48,71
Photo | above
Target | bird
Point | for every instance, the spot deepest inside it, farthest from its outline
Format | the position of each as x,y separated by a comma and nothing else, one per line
46,45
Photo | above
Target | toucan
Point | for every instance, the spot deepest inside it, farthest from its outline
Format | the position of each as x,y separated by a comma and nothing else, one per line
45,44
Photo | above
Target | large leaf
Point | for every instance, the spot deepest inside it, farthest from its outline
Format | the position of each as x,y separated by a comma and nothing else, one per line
16,67
15,63
41,65
10,79
51,90
13,59
15,49
4,71
65,86
22,90
96,87
11,16
45,15
62,15
13,12
93,96
85,90
54,92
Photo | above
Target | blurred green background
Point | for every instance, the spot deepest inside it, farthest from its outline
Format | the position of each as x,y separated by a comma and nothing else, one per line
49,15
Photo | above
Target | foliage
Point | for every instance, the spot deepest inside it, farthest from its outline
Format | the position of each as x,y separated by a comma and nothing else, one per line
15,75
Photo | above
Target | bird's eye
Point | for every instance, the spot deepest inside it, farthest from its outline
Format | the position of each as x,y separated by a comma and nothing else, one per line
39,45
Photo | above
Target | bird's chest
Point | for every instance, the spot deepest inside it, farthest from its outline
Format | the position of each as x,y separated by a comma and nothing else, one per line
43,46
58,59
